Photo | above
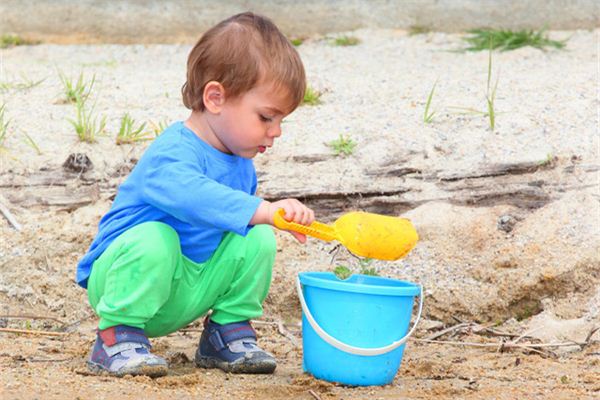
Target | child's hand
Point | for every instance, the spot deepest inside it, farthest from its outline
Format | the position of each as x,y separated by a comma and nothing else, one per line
295,211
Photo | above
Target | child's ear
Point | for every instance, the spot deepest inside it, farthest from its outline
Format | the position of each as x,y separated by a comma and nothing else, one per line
213,96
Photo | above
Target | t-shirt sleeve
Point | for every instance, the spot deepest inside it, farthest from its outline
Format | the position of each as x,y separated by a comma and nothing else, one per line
180,188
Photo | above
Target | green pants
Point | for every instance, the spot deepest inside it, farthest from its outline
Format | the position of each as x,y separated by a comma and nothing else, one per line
143,280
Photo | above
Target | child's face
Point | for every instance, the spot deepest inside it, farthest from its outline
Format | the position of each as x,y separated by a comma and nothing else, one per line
248,125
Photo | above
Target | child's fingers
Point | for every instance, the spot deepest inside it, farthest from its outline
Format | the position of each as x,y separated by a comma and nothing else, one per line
299,236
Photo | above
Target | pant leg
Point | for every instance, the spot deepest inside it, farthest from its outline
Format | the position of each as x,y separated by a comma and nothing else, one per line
132,279
234,282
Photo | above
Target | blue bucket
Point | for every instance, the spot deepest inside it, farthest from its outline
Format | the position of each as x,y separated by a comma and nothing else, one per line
354,331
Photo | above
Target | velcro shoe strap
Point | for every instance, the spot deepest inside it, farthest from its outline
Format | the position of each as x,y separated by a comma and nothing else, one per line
119,347
122,333
236,331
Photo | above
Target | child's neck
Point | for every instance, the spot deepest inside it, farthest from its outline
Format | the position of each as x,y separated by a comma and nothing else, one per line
198,123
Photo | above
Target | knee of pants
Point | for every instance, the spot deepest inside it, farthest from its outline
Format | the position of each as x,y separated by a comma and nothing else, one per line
160,244
263,241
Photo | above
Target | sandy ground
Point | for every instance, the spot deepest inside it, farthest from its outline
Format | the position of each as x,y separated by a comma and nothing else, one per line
544,272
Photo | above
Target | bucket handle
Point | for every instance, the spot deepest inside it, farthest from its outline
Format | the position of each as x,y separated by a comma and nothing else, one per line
361,351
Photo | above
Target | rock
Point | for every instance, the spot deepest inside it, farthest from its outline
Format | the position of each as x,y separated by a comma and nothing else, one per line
78,162
506,223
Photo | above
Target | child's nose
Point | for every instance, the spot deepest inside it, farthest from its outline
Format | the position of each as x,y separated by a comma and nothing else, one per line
274,131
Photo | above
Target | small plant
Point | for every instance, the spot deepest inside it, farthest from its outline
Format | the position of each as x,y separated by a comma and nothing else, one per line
428,116
297,41
13,40
482,39
128,133
25,83
343,145
158,128
364,268
346,41
418,30
312,97
342,272
31,143
86,124
490,97
79,89
3,127
549,161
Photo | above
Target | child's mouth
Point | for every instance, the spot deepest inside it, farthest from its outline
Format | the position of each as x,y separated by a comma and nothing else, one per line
262,149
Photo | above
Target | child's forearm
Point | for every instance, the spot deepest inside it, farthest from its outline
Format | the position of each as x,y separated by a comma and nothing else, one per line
263,214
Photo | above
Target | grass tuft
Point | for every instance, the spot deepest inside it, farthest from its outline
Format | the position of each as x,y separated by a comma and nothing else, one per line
312,97
129,134
344,145
428,116
25,83
79,89
7,41
3,127
31,143
86,123
159,127
297,41
346,41
418,30
504,40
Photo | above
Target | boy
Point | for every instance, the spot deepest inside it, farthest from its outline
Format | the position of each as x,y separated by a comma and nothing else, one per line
186,234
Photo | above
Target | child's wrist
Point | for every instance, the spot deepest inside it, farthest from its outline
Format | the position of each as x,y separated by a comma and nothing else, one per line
263,214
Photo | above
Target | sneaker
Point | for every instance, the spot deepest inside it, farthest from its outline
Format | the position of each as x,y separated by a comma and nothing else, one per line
232,348
123,350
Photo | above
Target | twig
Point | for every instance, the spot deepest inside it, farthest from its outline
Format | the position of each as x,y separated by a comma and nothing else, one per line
508,345
526,334
27,316
448,330
32,332
280,328
314,394
7,214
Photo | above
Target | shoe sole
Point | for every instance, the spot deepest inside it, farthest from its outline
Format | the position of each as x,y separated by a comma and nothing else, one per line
153,371
260,367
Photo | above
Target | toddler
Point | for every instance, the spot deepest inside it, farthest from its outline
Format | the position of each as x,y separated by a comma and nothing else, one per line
186,233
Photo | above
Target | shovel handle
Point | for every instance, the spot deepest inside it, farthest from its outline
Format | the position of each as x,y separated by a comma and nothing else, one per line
316,229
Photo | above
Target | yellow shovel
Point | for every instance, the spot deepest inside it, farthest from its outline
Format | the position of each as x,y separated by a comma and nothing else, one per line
364,234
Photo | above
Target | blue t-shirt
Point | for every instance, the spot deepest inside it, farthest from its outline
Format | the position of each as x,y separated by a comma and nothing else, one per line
187,184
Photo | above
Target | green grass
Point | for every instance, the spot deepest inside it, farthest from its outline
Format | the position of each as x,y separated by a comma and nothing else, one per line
31,143
364,267
7,41
79,89
490,97
158,127
346,41
297,41
342,272
86,124
428,116
3,127
129,133
24,84
504,40
311,97
343,145
418,30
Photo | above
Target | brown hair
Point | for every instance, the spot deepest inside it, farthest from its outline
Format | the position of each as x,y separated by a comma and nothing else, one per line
241,52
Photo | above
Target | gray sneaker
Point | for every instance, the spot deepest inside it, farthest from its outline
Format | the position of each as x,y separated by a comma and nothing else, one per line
123,350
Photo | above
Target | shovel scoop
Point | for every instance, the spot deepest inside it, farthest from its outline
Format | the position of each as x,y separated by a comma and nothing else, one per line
364,234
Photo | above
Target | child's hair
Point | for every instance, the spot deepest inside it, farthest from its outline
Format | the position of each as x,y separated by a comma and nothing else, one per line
241,52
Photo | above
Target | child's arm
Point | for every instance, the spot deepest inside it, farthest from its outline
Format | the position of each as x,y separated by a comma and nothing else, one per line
294,211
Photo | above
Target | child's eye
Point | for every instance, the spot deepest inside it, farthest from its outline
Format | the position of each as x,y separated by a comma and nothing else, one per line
265,119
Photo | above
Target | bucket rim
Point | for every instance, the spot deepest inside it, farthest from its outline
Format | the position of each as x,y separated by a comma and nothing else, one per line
328,280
